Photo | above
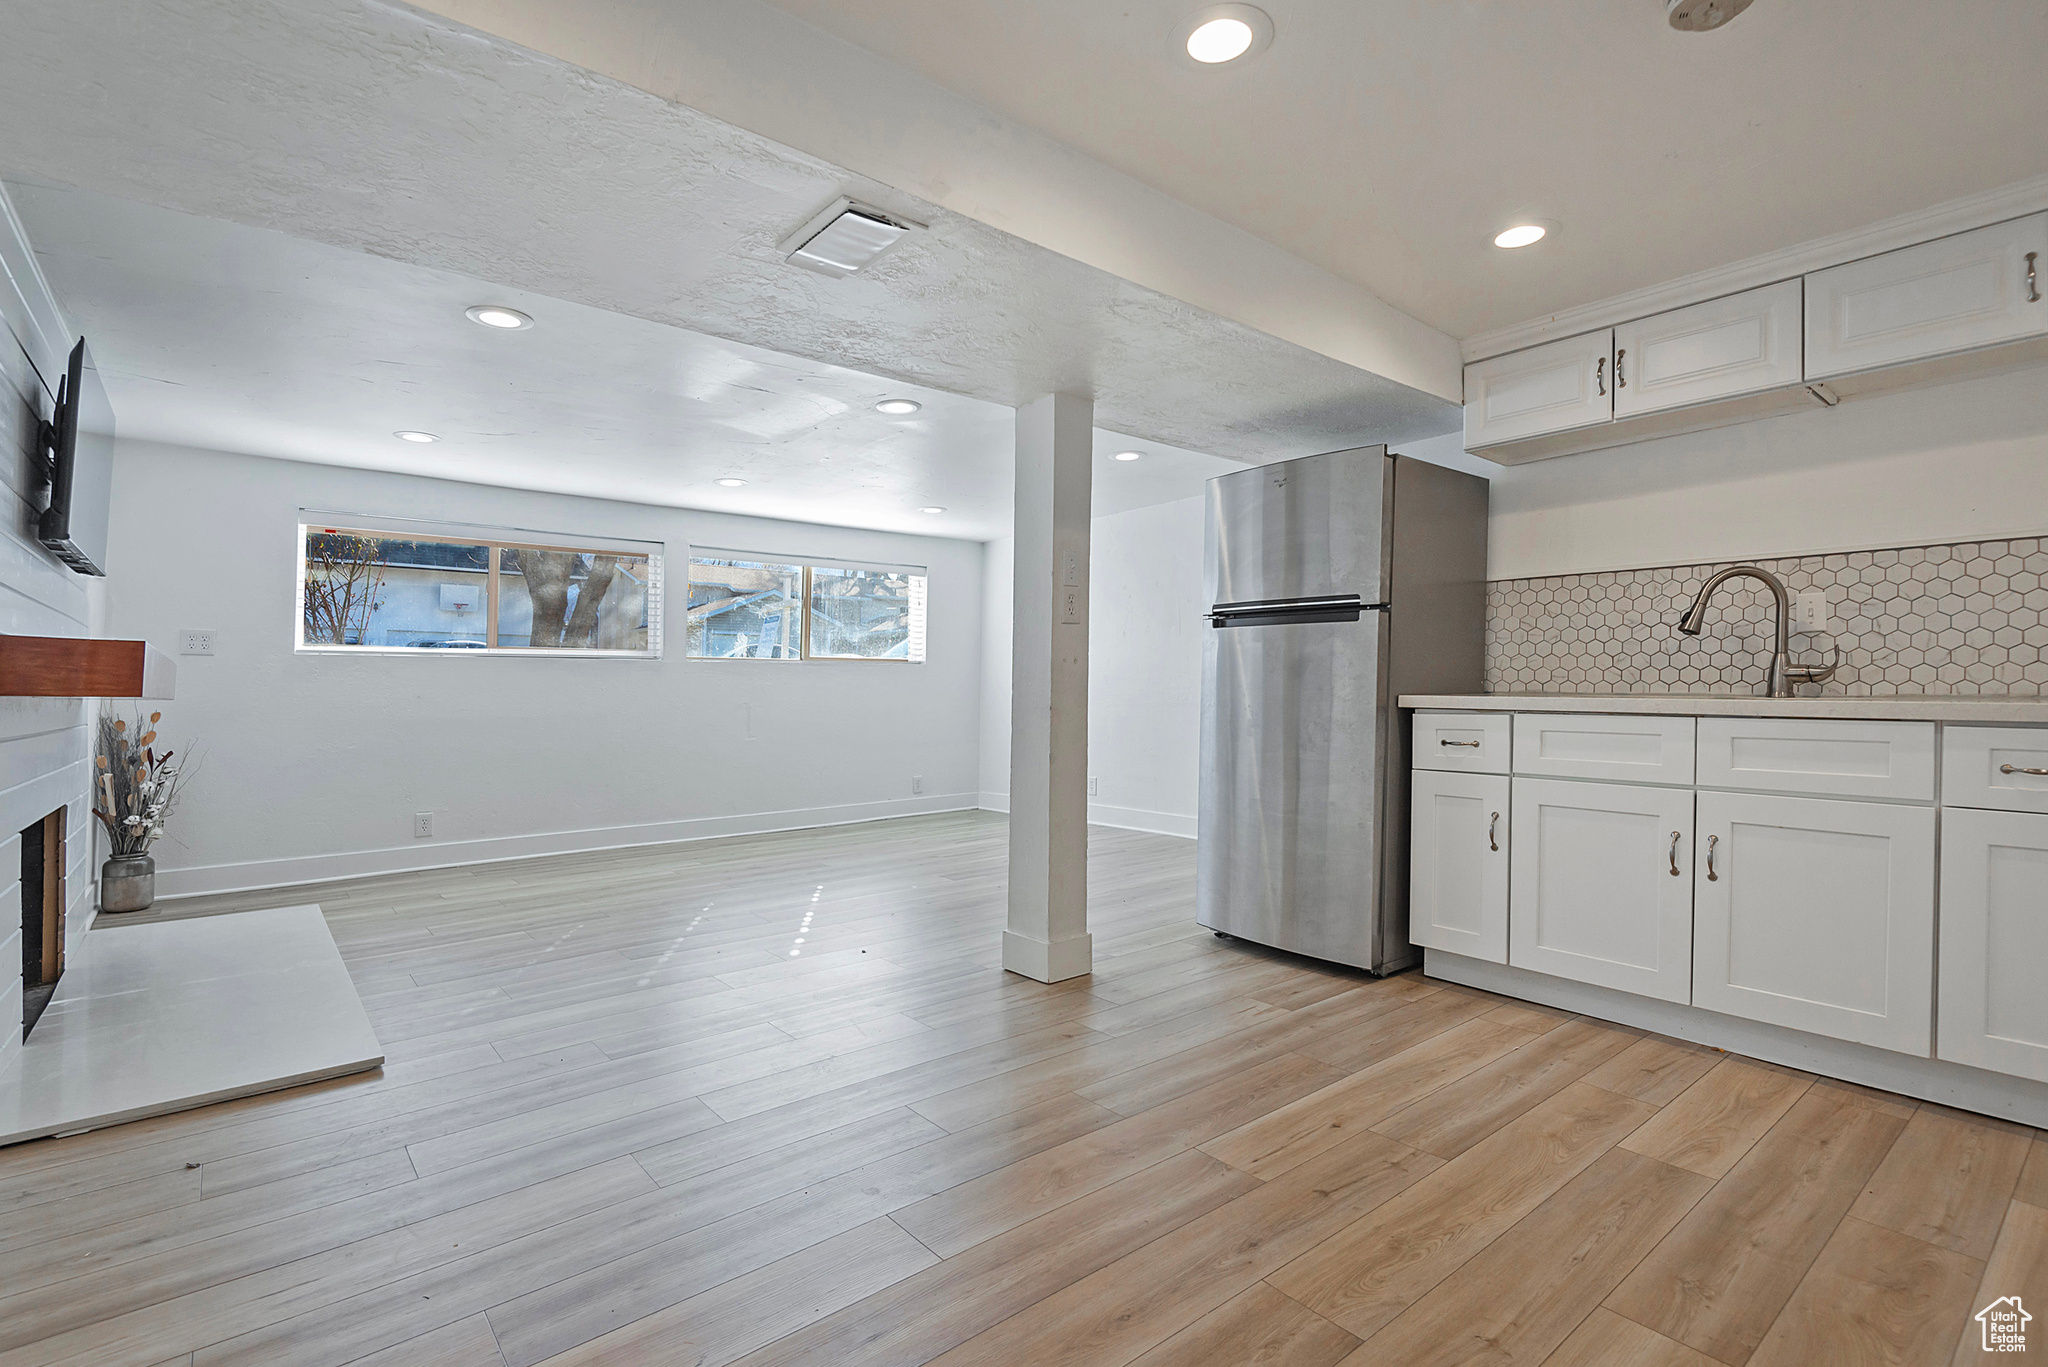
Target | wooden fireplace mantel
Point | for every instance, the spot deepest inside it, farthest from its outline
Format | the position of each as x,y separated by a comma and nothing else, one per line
73,667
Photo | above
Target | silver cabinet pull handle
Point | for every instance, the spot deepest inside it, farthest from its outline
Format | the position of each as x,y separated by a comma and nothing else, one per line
1472,744
1712,841
1491,827
1620,380
2033,290
1674,854
2008,769
1600,376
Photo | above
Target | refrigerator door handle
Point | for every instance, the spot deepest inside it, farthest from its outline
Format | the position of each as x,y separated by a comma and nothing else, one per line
1283,611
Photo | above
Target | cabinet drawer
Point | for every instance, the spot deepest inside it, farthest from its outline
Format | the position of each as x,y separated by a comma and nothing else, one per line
1880,759
1628,749
2001,767
1464,742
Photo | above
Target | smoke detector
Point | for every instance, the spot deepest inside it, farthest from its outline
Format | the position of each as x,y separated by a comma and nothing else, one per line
1702,16
846,238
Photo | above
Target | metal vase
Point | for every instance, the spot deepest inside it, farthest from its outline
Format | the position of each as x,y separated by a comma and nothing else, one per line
128,883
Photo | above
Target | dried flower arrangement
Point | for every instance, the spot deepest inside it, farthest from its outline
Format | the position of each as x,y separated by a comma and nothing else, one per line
137,786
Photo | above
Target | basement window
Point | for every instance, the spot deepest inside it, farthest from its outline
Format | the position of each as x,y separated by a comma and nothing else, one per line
750,606
391,586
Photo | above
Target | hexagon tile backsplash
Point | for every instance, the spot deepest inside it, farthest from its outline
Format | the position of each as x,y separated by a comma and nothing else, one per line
1970,618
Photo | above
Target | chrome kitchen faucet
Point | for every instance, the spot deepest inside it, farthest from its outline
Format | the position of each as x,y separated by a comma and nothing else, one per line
1783,672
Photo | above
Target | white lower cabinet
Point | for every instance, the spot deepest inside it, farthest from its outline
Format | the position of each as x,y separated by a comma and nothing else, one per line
1458,864
1994,941
1601,885
1817,915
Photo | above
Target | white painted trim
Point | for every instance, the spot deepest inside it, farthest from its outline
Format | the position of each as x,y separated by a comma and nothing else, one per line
1121,818
1906,230
33,298
1138,819
1948,1084
2023,532
327,868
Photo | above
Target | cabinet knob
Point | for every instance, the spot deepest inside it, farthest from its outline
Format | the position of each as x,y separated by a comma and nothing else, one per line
2033,290
1600,376
1674,854
1473,744
1491,827
2009,769
1620,380
1712,841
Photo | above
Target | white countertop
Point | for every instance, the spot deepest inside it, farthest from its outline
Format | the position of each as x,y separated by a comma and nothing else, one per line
1910,707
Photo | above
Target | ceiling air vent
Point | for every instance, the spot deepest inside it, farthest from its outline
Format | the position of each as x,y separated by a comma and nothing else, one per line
846,238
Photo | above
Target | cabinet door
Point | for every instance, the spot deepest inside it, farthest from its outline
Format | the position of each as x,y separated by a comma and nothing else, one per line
1716,350
1601,886
1994,941
1550,388
1817,915
1952,294
1458,864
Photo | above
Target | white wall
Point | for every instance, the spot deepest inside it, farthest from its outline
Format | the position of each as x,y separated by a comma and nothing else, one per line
1956,462
45,748
1144,669
314,765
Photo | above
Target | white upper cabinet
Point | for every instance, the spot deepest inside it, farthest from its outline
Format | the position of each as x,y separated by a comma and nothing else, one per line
1551,388
1974,289
1716,350
1817,915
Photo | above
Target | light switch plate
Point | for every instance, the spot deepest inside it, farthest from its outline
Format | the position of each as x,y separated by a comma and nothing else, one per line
1810,611
192,642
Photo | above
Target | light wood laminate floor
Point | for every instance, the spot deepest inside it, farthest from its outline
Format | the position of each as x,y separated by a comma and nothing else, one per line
770,1100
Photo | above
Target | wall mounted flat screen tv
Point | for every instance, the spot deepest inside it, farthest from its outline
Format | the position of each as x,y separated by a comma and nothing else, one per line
80,437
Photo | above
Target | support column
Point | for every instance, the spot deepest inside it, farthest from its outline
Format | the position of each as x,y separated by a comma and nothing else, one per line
1048,935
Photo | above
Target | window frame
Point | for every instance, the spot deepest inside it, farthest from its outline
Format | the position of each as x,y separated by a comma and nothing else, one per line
807,564
496,541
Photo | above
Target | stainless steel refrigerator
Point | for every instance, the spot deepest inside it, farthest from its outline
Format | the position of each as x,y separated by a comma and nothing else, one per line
1339,582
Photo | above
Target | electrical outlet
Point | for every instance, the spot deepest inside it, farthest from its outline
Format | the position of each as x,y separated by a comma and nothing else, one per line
1810,611
422,825
1091,785
1070,606
195,642
916,784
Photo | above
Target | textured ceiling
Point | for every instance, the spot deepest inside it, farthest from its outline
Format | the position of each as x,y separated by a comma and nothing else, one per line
218,335
381,130
1389,141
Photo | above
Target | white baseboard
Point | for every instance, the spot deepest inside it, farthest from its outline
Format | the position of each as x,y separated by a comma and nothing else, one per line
205,879
1948,1084
1103,814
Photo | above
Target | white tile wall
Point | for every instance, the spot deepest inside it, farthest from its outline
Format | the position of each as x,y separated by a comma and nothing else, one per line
1970,618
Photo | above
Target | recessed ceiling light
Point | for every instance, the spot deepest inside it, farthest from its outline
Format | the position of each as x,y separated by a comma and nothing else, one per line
497,316
898,406
1130,455
931,510
1223,33
421,437
1521,235
729,482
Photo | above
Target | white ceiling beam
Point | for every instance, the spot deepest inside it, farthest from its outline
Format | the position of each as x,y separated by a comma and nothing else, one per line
756,67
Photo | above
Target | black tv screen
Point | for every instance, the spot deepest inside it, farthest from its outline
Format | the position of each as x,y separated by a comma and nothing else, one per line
74,526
